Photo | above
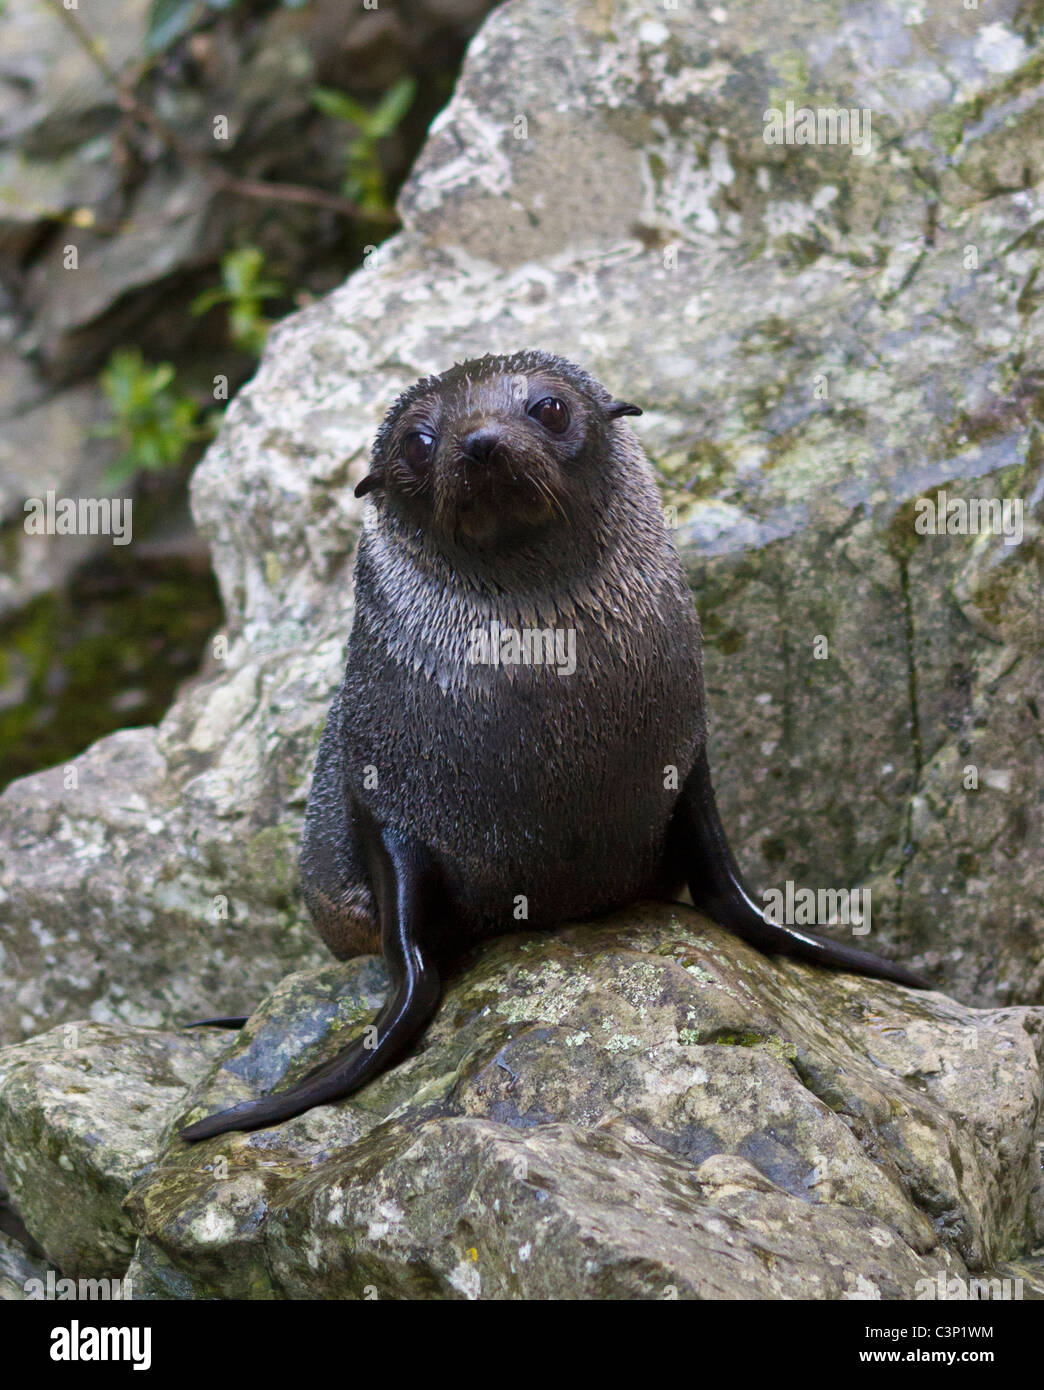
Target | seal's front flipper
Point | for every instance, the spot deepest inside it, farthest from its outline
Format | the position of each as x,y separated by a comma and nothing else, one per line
407,885
700,852
234,1021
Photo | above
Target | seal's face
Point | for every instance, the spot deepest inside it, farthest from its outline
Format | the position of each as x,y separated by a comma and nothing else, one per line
494,449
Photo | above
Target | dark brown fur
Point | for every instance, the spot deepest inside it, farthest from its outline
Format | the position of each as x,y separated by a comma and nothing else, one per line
521,782
454,801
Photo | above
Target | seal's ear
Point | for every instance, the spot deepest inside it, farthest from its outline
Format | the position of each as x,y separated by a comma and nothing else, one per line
617,408
368,484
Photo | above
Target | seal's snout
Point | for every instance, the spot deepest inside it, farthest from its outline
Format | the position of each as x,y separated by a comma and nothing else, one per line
480,445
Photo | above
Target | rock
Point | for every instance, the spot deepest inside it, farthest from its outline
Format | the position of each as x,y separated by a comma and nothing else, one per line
48,447
78,313
639,1108
53,90
1030,1273
57,115
114,813
82,1111
17,1268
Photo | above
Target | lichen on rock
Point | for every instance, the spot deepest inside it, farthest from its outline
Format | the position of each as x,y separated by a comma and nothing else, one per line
745,1129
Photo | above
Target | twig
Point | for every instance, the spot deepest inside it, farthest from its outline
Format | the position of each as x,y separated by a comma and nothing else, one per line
227,183
297,193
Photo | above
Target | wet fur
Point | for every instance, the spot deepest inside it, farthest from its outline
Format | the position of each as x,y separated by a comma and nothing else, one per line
511,782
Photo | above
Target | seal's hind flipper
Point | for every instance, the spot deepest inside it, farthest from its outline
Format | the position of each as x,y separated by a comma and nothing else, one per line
700,853
234,1021
406,884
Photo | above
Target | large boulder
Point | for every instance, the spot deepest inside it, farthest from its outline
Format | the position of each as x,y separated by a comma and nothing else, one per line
818,336
640,1108
79,1113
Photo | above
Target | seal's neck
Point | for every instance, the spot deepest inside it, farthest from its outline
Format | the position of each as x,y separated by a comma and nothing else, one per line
614,575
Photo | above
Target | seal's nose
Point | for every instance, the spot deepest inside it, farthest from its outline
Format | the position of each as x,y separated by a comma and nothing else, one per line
478,445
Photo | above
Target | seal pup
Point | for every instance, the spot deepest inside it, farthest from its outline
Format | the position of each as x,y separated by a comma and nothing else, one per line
469,783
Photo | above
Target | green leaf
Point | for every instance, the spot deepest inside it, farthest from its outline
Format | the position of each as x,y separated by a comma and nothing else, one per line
240,269
339,105
247,328
244,291
392,107
203,303
121,470
153,422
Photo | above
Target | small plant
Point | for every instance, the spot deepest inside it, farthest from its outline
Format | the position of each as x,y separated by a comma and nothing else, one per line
244,291
153,422
364,180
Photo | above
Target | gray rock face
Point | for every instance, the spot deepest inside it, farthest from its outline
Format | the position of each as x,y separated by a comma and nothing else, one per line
57,430
724,283
57,121
52,88
81,1106
641,1108
17,1271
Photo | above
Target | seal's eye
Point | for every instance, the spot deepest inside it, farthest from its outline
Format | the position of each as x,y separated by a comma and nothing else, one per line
417,448
552,414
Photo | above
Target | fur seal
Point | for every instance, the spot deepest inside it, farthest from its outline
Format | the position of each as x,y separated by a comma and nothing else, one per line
457,778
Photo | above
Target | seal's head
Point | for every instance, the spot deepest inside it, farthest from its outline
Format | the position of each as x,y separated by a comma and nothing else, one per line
494,449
